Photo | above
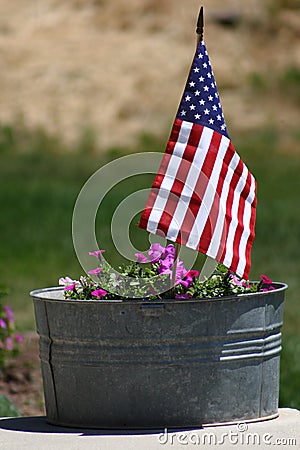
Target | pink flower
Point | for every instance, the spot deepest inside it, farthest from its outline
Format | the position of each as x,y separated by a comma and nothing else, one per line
158,253
265,279
169,251
9,344
141,258
2,323
182,296
192,273
95,271
270,288
155,252
99,293
188,278
71,287
236,280
8,310
9,313
152,291
166,265
180,272
266,284
18,337
96,253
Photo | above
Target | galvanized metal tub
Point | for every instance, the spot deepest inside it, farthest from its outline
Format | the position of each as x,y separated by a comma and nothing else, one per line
176,363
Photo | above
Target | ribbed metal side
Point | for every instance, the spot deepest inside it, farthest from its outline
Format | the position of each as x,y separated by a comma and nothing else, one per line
163,364
159,354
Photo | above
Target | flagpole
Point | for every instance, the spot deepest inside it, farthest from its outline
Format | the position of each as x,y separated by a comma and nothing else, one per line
199,32
200,26
210,263
174,267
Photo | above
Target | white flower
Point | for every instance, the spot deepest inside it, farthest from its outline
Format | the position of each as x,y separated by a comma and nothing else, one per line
66,281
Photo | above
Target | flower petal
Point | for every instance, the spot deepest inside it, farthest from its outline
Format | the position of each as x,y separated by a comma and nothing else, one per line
70,287
141,258
96,253
95,271
99,293
265,279
18,337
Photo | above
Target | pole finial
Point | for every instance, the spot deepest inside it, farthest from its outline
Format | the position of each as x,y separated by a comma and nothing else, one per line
200,25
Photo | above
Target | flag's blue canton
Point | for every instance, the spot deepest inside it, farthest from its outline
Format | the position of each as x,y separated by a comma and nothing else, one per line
201,102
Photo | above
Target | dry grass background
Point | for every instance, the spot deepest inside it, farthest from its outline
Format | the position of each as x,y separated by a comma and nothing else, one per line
118,67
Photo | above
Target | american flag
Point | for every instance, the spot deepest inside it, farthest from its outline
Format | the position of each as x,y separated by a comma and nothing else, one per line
203,195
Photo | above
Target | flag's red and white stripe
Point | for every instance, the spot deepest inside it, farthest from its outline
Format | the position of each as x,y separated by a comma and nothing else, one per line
203,197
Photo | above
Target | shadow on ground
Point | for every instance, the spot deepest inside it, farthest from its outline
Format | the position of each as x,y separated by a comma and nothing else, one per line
39,424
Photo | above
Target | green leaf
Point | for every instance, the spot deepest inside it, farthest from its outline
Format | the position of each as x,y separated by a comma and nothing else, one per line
7,408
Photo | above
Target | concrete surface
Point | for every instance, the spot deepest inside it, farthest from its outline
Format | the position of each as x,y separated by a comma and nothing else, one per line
33,433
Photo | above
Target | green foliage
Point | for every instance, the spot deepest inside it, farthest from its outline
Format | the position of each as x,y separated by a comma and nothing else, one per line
18,137
153,280
221,284
290,372
7,408
284,85
87,142
289,82
257,81
288,4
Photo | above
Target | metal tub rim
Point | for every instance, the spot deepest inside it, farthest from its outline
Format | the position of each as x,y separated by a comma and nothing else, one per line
43,294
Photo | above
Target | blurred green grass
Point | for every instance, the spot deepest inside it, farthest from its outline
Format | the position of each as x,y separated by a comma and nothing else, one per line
41,179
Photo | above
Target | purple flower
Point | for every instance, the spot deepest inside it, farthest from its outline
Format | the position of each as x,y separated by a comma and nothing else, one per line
155,252
169,251
3,323
180,272
141,258
95,271
9,344
165,265
96,253
99,293
18,337
9,313
70,287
